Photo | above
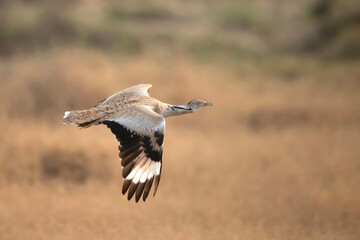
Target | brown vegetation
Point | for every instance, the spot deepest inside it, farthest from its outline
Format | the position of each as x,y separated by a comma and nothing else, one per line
276,157
272,159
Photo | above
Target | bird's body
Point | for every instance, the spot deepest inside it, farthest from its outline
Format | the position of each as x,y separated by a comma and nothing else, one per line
138,122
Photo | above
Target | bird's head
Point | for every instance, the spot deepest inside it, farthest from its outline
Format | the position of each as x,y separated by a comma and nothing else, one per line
197,104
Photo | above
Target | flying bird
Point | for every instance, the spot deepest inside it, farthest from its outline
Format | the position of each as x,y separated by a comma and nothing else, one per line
138,123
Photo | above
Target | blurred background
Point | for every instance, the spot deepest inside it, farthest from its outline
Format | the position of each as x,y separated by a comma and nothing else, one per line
277,157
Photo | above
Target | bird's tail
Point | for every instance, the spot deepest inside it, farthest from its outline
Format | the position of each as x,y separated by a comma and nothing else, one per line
84,118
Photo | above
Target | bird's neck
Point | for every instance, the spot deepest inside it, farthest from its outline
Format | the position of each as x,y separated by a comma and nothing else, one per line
174,110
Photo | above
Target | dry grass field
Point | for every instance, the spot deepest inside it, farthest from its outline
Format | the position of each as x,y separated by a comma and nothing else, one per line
273,159
276,157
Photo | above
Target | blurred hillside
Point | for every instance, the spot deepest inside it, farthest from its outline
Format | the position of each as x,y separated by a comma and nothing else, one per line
276,157
201,29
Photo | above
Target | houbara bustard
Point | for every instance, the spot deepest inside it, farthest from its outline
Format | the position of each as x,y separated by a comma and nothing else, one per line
138,123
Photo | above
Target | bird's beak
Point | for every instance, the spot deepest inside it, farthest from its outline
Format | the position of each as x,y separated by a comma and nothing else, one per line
208,104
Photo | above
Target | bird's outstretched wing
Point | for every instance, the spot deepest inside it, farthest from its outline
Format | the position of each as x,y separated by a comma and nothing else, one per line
137,90
140,133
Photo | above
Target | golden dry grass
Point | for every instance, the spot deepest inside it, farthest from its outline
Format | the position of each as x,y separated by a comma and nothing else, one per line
277,157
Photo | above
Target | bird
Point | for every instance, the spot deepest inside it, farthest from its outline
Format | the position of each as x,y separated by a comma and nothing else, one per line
138,123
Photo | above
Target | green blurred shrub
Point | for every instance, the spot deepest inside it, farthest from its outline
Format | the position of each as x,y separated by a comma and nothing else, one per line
202,29
240,18
337,25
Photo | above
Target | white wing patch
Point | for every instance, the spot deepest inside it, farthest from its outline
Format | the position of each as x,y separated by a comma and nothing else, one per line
140,135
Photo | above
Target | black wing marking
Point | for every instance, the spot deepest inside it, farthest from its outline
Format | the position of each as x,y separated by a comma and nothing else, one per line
141,159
